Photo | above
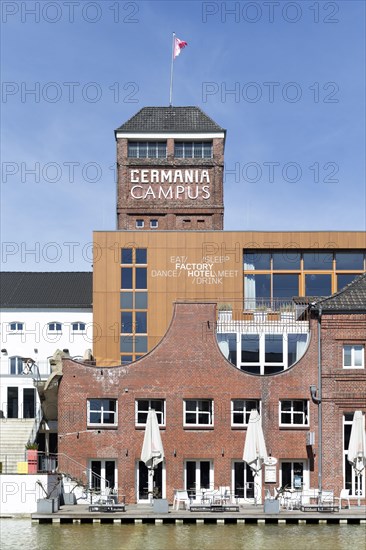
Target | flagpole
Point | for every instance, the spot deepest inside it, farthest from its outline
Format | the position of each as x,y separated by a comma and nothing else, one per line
171,74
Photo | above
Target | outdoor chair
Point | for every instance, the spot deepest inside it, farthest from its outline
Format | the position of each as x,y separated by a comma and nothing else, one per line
327,497
222,495
181,496
344,495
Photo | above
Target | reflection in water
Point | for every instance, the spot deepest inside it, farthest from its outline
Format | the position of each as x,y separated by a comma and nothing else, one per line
18,533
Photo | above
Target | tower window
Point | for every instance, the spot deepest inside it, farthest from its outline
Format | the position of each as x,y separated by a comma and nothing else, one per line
193,149
147,149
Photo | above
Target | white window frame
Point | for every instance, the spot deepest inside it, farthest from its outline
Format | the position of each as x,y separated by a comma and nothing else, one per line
354,482
19,367
102,411
246,411
78,330
19,327
198,489
140,224
154,224
353,356
197,412
291,424
54,330
262,364
161,415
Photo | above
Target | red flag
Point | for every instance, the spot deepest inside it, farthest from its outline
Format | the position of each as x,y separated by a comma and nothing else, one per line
178,46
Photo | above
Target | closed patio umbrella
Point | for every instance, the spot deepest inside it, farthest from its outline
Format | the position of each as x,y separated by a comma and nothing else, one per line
357,448
255,452
152,449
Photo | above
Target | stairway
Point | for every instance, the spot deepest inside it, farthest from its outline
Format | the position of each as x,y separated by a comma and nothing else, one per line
14,434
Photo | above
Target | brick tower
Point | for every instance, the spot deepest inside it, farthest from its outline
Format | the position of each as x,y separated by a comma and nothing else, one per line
170,163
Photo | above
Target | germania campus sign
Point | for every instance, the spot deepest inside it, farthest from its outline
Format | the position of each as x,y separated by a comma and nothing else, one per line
170,184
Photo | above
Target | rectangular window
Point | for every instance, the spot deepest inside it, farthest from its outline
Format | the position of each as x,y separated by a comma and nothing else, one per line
140,224
294,412
154,224
16,365
286,260
353,357
318,285
127,255
78,327
141,256
141,277
273,348
193,149
54,327
142,407
198,412
147,149
318,260
102,412
126,322
257,260
16,326
240,411
141,322
126,277
349,260
250,348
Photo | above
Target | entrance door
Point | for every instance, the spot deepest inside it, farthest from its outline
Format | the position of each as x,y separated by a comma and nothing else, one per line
198,476
243,482
29,402
12,402
142,481
103,475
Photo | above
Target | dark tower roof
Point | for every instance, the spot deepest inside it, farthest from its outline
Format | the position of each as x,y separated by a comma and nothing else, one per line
170,119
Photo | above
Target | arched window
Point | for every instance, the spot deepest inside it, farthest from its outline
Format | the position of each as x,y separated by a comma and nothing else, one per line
16,364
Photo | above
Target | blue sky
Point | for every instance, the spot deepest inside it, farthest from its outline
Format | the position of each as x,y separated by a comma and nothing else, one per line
286,79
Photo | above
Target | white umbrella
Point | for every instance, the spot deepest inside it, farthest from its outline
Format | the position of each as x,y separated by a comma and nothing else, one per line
255,452
152,449
357,447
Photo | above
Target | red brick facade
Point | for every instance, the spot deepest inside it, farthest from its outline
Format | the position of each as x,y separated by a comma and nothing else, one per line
199,208
188,364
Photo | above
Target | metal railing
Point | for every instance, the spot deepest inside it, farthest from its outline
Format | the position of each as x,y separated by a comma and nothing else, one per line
36,424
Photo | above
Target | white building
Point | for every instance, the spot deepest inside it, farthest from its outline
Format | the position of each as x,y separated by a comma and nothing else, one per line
40,313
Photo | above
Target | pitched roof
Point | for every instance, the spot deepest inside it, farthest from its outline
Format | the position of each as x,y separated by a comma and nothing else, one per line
351,298
61,289
170,119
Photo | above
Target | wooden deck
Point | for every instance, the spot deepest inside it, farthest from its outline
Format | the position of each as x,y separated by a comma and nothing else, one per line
137,514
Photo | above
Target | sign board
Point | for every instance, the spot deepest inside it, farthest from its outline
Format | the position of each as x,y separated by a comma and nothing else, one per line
270,474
